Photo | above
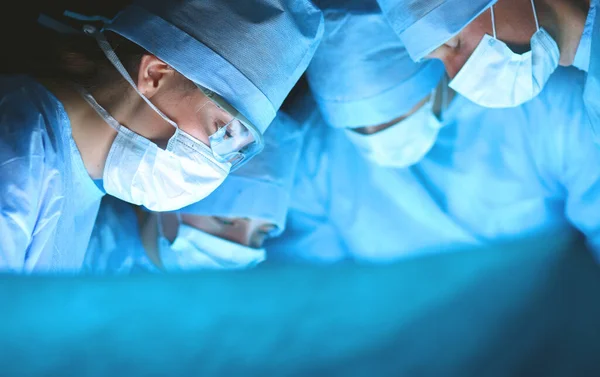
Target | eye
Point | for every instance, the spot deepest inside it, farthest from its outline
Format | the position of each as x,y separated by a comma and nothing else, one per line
224,221
212,117
217,124
453,42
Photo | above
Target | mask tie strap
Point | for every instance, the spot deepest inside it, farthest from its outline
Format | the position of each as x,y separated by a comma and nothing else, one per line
444,99
60,27
81,17
493,22
98,108
537,25
179,220
116,62
433,96
159,225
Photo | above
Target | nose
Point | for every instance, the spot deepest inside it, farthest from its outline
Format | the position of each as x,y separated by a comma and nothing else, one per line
453,59
454,54
240,234
447,54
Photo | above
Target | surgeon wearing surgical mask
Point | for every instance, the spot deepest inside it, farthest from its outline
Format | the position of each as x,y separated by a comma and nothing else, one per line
226,230
379,115
492,177
126,109
402,142
501,53
208,242
392,125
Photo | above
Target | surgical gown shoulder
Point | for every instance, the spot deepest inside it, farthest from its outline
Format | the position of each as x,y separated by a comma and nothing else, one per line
32,155
31,119
558,114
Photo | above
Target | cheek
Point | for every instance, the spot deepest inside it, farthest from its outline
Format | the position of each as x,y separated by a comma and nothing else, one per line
185,115
152,126
455,61
190,126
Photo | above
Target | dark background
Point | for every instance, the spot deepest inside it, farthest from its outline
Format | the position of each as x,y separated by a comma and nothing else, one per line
20,34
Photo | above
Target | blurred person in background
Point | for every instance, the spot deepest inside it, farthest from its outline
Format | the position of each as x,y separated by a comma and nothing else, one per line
393,168
501,53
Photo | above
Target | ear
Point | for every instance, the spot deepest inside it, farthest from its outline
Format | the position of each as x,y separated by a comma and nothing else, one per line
152,75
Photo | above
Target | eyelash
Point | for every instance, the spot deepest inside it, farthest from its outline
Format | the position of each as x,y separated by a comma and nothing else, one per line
225,222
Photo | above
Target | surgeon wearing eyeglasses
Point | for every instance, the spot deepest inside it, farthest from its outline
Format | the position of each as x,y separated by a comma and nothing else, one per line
224,231
156,108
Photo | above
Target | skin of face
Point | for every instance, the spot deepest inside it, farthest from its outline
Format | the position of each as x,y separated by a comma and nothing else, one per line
178,99
243,231
515,24
175,96
369,130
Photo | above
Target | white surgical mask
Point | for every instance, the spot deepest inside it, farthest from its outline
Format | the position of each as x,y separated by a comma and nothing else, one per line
139,172
194,249
496,77
402,144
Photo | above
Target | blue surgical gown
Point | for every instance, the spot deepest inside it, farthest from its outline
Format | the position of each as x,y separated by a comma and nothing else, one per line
587,58
48,202
493,176
115,247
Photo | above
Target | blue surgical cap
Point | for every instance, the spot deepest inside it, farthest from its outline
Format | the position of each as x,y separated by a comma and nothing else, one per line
261,188
361,74
251,52
424,25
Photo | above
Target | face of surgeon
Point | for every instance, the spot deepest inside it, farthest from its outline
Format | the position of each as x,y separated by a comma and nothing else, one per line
515,25
178,98
243,231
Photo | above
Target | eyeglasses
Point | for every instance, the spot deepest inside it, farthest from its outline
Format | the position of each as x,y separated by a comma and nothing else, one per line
236,140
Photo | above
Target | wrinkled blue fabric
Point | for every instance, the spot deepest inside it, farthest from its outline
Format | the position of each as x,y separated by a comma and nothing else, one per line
361,74
115,245
250,52
494,175
424,25
261,188
583,53
519,312
48,202
590,48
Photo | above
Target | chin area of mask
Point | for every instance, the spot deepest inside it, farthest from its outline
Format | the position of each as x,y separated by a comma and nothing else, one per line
400,144
190,242
497,77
